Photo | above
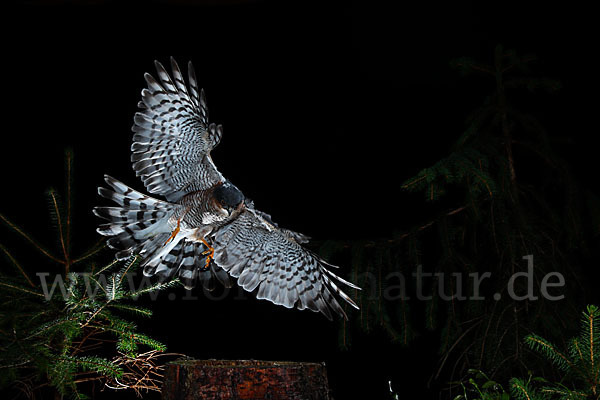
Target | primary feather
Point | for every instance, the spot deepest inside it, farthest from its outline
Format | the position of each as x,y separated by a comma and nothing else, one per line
263,256
172,136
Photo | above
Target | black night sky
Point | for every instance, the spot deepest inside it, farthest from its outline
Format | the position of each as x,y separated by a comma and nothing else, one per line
327,108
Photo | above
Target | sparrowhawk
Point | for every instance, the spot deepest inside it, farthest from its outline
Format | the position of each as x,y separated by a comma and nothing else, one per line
206,228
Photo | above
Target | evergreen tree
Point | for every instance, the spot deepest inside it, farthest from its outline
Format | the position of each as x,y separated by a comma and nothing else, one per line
76,329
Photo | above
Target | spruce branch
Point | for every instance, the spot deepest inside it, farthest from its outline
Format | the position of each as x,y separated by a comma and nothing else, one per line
521,390
550,351
61,235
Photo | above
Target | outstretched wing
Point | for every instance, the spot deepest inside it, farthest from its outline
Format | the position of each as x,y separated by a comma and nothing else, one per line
263,256
173,139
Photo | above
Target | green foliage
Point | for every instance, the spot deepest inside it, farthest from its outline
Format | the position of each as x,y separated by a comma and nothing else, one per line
578,368
479,386
543,346
524,390
76,331
580,364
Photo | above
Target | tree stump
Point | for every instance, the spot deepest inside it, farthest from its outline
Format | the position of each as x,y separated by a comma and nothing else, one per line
244,379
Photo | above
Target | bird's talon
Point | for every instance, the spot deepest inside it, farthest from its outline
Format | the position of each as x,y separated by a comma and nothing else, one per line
209,253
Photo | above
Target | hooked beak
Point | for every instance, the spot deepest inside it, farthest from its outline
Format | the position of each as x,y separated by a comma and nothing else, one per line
235,211
238,209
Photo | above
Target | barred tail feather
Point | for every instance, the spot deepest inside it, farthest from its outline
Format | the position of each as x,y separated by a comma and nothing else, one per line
187,261
139,225
192,267
163,259
187,269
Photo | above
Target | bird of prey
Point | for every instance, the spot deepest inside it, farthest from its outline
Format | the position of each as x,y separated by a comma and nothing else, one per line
205,229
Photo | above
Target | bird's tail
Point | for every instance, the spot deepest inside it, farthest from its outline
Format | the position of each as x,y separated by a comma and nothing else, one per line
188,258
139,225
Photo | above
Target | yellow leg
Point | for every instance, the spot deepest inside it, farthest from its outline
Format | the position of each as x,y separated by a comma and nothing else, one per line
209,253
175,232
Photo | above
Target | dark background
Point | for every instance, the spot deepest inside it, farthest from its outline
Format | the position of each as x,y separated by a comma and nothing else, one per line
326,107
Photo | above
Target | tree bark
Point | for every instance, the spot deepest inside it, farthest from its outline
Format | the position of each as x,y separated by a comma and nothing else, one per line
244,379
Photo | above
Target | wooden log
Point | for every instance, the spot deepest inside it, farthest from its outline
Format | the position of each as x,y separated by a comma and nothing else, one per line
244,379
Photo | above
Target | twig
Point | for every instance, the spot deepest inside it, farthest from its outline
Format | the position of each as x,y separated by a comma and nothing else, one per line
99,245
30,240
453,346
12,259
21,289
